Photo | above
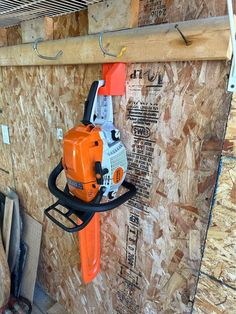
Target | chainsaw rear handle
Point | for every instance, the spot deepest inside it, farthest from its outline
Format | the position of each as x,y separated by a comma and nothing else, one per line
70,201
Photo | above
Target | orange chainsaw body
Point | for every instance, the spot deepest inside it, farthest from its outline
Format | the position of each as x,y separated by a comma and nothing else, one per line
82,147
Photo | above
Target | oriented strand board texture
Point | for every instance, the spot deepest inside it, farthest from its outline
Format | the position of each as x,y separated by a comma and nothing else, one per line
166,11
33,29
172,121
220,251
213,297
70,25
111,15
6,171
55,100
174,154
14,36
3,37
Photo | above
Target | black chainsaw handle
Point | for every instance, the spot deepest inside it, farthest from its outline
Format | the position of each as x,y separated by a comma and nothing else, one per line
84,217
78,205
89,103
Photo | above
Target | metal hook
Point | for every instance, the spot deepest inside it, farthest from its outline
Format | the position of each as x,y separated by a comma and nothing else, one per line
35,47
105,52
187,42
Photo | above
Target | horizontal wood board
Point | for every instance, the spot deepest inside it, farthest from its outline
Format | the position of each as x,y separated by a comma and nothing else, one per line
208,39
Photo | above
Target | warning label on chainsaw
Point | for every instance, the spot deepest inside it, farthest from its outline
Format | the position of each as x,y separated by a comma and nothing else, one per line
142,114
76,184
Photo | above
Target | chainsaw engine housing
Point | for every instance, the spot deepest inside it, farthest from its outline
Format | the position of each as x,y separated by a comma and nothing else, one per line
92,159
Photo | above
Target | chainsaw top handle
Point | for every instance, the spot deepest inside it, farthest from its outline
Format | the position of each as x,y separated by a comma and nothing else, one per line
79,205
89,103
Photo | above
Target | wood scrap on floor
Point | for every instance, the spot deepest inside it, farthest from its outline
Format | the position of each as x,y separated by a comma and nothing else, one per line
7,224
5,281
14,248
32,233
17,249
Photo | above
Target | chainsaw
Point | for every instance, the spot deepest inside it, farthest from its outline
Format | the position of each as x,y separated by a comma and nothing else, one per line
95,164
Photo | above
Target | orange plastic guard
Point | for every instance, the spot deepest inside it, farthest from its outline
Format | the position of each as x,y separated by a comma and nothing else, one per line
114,75
89,239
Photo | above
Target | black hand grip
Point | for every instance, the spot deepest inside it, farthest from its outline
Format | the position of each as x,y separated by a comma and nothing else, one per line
78,205
84,217
88,107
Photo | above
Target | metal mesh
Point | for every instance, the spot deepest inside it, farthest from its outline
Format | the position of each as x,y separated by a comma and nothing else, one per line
12,12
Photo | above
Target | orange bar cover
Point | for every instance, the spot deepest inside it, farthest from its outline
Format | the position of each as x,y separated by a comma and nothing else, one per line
89,239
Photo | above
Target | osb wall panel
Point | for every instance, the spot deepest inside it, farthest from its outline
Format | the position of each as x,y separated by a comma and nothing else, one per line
30,133
6,170
220,251
10,36
166,11
147,249
55,100
14,36
3,37
75,24
172,121
213,297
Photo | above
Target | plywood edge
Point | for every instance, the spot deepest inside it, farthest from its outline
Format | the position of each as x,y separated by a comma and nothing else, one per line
209,40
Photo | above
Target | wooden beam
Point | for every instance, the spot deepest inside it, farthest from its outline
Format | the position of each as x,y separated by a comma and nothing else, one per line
209,39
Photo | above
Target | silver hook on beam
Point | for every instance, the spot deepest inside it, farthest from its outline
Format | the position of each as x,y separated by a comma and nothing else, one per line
187,42
105,52
35,48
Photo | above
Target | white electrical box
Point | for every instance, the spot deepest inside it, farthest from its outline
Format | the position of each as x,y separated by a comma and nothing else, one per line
59,134
5,134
